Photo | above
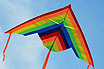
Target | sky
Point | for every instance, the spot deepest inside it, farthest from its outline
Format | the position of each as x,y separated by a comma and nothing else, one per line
29,52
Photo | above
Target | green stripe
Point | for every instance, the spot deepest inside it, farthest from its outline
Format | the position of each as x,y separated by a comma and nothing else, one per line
55,46
51,49
73,40
49,44
41,26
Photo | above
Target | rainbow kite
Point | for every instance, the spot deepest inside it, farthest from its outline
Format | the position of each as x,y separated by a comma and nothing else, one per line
59,30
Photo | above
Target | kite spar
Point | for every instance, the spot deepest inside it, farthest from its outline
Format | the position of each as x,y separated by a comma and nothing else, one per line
59,30
46,60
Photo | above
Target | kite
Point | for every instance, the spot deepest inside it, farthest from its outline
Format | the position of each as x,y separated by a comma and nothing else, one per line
59,30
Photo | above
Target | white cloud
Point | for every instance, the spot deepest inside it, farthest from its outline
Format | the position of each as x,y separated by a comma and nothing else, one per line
20,49
2,64
16,11
2,39
1,34
28,50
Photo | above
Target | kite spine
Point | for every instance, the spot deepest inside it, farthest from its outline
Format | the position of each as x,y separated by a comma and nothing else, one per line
46,60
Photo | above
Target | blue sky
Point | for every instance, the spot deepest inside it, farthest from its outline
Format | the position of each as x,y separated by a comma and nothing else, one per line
29,52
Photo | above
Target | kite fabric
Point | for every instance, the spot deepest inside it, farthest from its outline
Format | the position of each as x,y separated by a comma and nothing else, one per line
59,30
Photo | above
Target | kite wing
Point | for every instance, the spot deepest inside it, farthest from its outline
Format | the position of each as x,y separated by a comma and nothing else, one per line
40,23
59,30
76,38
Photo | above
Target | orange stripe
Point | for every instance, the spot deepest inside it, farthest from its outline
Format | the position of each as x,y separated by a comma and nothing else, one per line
49,39
48,36
39,18
58,44
79,35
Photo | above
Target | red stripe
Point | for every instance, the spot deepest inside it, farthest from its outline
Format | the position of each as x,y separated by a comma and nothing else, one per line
61,41
49,35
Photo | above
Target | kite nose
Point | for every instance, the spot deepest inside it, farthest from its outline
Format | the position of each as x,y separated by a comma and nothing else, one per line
61,26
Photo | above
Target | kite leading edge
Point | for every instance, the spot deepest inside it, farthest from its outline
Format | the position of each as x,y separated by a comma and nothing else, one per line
59,30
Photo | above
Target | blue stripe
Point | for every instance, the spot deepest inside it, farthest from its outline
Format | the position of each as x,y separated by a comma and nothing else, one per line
43,30
69,40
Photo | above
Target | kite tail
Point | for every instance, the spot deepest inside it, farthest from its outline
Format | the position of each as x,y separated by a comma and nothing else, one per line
89,66
46,60
6,46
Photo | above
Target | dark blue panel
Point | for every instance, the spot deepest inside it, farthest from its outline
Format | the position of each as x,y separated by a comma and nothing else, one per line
64,39
69,40
49,32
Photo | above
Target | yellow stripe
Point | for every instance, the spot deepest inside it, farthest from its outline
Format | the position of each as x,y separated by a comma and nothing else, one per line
76,38
48,43
55,47
40,23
